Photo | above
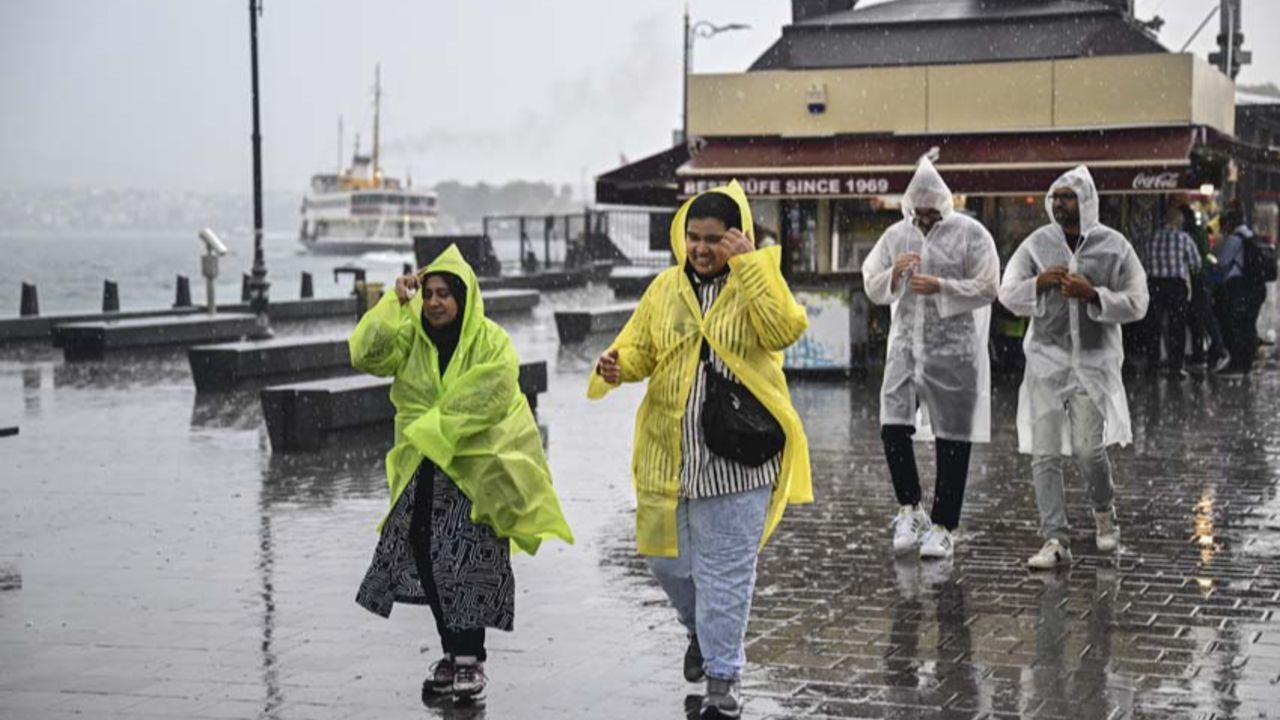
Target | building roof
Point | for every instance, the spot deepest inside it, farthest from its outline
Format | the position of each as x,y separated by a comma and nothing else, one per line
936,32
649,181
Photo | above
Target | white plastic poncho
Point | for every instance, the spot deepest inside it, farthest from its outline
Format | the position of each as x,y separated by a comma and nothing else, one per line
937,374
1073,344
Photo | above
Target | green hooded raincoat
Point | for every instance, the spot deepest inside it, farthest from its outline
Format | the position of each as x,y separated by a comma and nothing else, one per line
474,423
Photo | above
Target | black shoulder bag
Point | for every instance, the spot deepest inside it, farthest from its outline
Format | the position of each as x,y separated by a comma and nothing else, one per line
736,426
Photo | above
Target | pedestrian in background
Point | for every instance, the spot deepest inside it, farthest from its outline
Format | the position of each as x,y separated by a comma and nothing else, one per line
1207,349
940,271
1079,281
1171,259
1243,289
467,474
712,479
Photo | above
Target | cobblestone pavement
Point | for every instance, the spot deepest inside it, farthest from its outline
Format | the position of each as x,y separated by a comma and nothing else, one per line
156,560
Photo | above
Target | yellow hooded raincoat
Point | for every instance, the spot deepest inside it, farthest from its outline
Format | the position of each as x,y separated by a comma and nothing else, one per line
660,342
473,423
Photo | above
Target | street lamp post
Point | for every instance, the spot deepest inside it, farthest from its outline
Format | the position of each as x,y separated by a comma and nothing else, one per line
258,285
703,29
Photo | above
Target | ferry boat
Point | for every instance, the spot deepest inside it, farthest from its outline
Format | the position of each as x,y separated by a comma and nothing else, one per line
359,209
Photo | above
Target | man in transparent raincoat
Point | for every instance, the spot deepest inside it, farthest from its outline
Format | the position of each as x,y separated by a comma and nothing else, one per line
1079,281
940,271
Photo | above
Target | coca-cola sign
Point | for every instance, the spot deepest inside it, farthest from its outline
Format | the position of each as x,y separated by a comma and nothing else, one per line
1156,181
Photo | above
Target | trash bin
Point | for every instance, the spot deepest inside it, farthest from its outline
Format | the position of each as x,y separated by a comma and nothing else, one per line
367,295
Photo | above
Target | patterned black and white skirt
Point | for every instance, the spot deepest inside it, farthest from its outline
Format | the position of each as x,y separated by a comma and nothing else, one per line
470,565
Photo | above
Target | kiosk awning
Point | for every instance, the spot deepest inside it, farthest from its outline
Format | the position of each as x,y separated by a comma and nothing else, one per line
1136,160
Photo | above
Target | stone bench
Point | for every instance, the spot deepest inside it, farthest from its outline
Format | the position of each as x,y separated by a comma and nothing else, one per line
222,367
631,282
40,327
558,279
504,302
573,326
93,339
300,416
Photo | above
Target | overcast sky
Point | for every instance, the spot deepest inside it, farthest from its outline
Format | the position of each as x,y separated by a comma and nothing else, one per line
154,93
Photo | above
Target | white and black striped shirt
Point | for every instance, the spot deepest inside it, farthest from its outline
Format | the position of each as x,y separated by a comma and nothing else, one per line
704,474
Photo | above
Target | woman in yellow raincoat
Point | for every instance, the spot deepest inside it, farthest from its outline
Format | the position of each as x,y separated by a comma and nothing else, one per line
723,309
467,474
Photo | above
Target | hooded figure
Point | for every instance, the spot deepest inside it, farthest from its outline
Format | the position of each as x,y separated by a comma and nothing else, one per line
940,272
467,475
1079,281
722,309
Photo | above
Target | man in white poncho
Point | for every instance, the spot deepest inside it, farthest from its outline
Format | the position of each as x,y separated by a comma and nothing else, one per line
939,270
1079,281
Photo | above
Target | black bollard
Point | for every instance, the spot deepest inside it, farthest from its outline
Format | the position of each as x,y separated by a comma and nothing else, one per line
308,291
245,295
30,301
110,296
182,295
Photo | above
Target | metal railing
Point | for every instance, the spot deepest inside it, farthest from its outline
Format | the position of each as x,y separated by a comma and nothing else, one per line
529,243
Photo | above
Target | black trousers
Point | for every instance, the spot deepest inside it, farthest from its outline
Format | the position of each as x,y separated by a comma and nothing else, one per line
1203,323
468,642
1240,303
953,473
1167,319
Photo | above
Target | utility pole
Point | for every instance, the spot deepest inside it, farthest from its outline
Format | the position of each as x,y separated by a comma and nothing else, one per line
258,285
1230,56
377,105
687,39
704,29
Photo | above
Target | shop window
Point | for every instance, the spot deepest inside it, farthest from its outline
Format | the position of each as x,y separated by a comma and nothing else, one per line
856,225
1016,218
800,236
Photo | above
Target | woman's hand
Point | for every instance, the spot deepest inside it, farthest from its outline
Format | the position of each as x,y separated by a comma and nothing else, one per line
406,287
607,367
737,242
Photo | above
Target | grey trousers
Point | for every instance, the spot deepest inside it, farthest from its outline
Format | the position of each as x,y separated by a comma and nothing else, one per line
1090,456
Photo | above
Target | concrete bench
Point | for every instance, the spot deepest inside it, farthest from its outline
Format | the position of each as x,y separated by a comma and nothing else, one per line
300,416
93,339
40,327
574,326
503,302
222,367
546,279
631,282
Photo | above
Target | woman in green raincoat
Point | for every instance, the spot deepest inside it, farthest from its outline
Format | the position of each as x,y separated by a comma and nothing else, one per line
467,475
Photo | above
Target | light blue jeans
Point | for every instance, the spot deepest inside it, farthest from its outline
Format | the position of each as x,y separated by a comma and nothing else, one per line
1090,454
710,583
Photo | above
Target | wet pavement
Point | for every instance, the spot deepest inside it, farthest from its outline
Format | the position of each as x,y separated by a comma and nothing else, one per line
156,560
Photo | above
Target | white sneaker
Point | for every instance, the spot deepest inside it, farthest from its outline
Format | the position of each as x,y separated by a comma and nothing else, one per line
1052,555
1108,530
908,527
937,544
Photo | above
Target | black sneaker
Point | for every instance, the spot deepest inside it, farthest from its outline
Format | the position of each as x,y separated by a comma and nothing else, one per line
722,700
439,681
468,684
693,671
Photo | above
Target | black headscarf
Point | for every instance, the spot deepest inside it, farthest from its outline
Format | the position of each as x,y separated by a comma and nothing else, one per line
446,338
